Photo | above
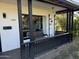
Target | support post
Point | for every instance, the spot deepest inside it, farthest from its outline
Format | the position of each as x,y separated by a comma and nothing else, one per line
30,28
30,19
49,24
20,27
70,22
20,20
67,27
72,14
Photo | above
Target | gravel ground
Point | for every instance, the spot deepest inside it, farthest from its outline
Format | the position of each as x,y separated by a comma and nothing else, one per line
67,51
71,52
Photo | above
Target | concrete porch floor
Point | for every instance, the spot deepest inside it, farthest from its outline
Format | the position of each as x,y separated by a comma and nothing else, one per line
66,51
14,54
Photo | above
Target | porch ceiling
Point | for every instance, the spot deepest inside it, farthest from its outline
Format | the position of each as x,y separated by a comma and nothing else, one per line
35,4
63,3
71,4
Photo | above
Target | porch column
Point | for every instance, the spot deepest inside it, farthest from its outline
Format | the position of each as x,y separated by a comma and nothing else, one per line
67,21
30,19
20,20
20,27
72,14
70,22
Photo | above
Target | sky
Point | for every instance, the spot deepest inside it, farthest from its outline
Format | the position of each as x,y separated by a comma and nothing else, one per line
76,1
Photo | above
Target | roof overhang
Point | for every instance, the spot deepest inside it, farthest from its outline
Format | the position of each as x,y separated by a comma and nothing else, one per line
63,3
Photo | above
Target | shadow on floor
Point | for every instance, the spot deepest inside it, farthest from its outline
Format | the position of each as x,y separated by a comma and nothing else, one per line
14,54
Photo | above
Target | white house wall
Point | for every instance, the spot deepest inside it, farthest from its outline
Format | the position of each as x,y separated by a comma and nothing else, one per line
10,38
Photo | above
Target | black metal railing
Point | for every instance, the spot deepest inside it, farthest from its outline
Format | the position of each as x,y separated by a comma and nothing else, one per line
38,47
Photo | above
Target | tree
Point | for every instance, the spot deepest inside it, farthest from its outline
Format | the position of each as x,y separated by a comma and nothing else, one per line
61,22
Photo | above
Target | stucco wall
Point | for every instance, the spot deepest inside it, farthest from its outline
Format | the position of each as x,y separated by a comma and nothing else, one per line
9,38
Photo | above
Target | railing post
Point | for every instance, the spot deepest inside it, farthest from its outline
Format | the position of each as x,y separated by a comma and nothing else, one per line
31,51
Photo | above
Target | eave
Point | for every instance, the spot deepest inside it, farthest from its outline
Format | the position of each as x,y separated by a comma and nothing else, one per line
61,3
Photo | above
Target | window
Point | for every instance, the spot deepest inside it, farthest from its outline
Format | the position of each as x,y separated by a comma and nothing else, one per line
60,23
37,24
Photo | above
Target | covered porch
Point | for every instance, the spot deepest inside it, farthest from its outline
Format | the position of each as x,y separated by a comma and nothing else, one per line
42,41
